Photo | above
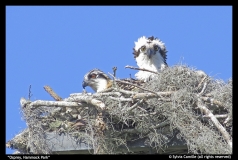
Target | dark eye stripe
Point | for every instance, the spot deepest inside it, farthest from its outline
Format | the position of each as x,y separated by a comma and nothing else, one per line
93,76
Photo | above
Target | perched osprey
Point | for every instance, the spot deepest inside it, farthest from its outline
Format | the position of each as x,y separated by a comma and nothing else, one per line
149,53
99,81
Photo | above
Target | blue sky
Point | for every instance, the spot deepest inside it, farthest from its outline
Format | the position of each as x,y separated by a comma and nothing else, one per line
57,45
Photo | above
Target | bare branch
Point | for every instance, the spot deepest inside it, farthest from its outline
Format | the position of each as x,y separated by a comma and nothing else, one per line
124,91
135,86
39,103
49,90
122,99
199,85
203,89
142,69
88,99
227,119
212,101
217,116
135,105
114,71
29,94
223,131
151,95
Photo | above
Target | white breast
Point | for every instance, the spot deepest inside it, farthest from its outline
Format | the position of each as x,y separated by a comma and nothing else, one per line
155,63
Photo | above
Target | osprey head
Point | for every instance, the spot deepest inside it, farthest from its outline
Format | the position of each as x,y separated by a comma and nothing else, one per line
149,53
96,79
149,48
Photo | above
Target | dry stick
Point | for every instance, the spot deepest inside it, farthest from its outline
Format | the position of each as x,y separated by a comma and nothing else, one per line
135,86
166,122
39,103
150,95
122,99
114,71
52,93
212,101
135,105
88,99
216,123
227,119
142,69
203,89
201,82
29,94
219,115
131,84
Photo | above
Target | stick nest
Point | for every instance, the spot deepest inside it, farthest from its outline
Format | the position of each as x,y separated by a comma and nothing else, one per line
179,103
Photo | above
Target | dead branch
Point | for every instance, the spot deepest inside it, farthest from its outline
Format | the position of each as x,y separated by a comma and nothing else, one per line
142,69
203,89
114,71
88,99
49,90
212,101
24,102
151,95
223,131
135,105
29,94
218,116
39,103
227,119
135,86
122,99
125,91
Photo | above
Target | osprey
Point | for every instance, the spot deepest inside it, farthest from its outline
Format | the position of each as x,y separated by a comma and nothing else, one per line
149,53
99,81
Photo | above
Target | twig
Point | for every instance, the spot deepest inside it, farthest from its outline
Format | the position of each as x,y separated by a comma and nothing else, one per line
99,94
166,122
134,105
135,86
142,69
201,82
122,99
39,103
203,89
114,71
218,116
88,99
152,95
212,101
29,94
227,119
223,131
49,90
125,91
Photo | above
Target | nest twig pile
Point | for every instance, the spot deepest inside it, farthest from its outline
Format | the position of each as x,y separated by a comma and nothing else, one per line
179,102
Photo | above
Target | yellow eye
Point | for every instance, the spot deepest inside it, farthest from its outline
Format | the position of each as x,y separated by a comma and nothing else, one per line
156,48
143,48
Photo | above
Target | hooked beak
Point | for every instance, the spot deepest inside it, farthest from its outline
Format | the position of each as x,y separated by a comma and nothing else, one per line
150,52
84,84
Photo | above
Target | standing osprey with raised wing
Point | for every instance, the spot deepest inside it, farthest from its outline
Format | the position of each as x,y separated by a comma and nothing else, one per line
99,81
149,53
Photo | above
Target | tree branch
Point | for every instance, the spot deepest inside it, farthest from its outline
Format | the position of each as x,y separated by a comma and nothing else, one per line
151,95
39,103
212,101
135,86
88,99
223,131
49,90
142,69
